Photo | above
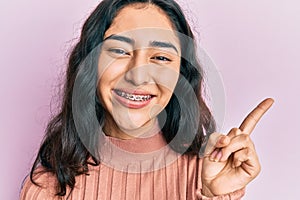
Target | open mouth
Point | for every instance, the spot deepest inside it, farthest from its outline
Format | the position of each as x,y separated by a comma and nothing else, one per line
134,97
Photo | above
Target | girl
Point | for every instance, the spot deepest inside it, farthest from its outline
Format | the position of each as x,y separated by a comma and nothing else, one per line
133,119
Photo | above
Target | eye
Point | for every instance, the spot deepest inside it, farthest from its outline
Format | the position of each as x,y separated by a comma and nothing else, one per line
161,58
118,51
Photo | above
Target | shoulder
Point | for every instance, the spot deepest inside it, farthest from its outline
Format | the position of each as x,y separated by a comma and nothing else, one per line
46,188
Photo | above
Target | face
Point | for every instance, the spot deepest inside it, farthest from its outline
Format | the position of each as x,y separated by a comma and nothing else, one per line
138,69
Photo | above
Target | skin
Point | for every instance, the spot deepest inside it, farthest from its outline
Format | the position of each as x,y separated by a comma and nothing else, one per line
231,161
137,64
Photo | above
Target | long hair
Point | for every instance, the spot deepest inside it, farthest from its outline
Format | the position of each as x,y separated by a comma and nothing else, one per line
63,152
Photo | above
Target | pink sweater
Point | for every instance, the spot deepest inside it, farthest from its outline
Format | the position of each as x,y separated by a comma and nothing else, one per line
142,168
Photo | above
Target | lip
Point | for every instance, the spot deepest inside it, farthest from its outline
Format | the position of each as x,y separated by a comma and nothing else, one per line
129,103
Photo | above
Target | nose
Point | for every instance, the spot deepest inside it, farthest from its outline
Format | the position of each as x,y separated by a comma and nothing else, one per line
138,72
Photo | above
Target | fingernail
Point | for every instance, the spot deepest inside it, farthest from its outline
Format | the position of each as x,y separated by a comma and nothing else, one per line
213,155
219,156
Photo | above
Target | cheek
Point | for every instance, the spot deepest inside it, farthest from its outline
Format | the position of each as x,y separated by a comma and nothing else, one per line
110,68
110,71
109,75
167,79
166,95
103,63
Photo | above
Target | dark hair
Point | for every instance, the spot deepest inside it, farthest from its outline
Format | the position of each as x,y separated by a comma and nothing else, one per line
63,152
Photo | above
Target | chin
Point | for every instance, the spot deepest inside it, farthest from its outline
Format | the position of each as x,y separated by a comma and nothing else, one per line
136,127
133,125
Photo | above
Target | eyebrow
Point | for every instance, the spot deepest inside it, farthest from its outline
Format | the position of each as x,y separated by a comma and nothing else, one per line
163,45
131,42
120,38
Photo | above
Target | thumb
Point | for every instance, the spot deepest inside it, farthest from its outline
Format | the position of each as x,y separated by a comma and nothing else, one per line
216,140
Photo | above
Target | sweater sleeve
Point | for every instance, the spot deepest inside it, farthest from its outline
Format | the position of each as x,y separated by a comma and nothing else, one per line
237,195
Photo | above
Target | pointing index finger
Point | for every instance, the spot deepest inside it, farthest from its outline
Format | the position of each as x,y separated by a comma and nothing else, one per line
254,116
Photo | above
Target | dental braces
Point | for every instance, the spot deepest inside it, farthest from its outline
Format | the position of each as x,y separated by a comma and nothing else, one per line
133,97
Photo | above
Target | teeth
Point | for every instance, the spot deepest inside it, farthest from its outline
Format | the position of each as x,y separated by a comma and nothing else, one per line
133,97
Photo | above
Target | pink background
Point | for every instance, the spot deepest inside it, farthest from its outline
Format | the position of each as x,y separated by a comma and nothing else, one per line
255,45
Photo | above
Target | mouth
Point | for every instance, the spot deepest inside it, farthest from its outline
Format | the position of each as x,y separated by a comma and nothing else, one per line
133,99
134,96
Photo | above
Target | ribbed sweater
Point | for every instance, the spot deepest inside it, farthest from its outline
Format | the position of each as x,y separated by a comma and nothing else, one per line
134,169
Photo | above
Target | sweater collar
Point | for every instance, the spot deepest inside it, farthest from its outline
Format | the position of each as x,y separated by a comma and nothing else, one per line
151,141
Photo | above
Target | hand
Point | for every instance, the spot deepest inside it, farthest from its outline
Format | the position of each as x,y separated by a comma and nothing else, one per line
232,161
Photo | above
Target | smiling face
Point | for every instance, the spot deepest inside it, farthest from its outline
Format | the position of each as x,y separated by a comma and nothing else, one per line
138,69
